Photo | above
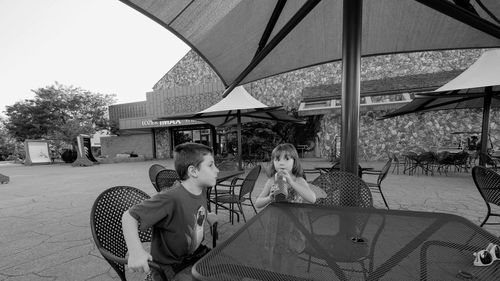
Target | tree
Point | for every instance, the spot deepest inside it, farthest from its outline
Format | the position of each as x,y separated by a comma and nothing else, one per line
7,143
59,113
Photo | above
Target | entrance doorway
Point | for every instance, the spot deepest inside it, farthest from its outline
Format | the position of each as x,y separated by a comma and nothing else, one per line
199,135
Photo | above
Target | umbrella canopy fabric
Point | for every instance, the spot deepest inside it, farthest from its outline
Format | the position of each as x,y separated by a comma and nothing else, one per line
467,90
224,113
238,102
229,33
476,87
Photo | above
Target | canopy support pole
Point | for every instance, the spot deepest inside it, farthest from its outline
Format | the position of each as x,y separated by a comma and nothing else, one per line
287,28
351,64
240,151
485,125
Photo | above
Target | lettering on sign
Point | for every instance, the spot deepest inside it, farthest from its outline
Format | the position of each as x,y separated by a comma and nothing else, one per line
151,123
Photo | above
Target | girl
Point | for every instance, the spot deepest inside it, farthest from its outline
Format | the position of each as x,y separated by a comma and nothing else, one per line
285,163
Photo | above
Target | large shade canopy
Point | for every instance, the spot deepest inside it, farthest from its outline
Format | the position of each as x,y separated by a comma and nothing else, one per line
229,33
476,87
237,108
246,40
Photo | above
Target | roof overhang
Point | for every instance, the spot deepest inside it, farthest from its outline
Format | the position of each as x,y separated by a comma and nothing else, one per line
380,94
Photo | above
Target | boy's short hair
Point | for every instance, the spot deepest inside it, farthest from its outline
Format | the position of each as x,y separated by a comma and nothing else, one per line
188,154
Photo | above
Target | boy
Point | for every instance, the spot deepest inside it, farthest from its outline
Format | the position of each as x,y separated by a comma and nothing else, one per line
177,215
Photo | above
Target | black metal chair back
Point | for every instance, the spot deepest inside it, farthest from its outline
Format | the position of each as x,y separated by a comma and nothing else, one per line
238,194
343,189
248,183
153,171
488,184
384,171
106,224
165,179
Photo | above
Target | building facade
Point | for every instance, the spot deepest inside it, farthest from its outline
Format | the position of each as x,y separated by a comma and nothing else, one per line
191,86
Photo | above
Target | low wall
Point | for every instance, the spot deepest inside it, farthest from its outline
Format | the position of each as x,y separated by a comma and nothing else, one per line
141,144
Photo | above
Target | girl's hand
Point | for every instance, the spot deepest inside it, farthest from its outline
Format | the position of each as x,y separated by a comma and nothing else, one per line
273,191
287,175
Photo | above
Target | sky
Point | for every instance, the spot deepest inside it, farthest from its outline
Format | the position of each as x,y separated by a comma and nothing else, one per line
103,46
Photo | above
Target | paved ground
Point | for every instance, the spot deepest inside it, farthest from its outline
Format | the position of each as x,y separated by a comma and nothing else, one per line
44,213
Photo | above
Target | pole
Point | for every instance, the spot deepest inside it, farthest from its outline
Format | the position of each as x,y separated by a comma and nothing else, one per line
485,125
240,151
351,64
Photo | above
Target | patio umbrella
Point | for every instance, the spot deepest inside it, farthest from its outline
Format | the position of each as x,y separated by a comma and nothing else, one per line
244,41
476,87
235,109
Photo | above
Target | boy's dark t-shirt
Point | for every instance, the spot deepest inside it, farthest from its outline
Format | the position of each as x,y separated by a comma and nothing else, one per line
177,217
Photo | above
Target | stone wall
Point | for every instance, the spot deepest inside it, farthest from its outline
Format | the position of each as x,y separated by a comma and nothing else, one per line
162,137
427,131
190,70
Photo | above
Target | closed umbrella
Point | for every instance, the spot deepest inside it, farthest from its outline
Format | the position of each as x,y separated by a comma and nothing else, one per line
235,109
476,87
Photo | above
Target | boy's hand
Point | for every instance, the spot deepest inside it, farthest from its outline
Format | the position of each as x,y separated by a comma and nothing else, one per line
138,261
213,217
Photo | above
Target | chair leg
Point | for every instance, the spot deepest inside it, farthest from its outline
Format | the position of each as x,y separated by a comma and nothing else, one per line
253,206
485,219
241,211
383,197
231,213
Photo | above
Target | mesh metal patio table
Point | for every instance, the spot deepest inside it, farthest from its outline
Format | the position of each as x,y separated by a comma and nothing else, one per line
287,241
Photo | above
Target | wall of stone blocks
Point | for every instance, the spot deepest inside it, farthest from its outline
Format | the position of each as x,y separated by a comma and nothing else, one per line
427,131
163,149
141,144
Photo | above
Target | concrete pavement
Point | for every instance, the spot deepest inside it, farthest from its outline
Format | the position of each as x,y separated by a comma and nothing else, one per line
44,212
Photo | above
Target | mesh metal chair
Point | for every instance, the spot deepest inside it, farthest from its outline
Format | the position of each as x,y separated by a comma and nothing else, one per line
106,225
396,163
153,171
382,174
490,161
224,186
239,198
165,179
343,189
488,183
358,195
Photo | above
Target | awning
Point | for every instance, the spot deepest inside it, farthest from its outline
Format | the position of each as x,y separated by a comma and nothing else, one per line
323,99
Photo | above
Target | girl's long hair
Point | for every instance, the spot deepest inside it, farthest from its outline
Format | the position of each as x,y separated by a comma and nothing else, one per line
288,150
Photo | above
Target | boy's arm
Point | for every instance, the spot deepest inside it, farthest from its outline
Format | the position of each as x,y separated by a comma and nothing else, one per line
138,257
